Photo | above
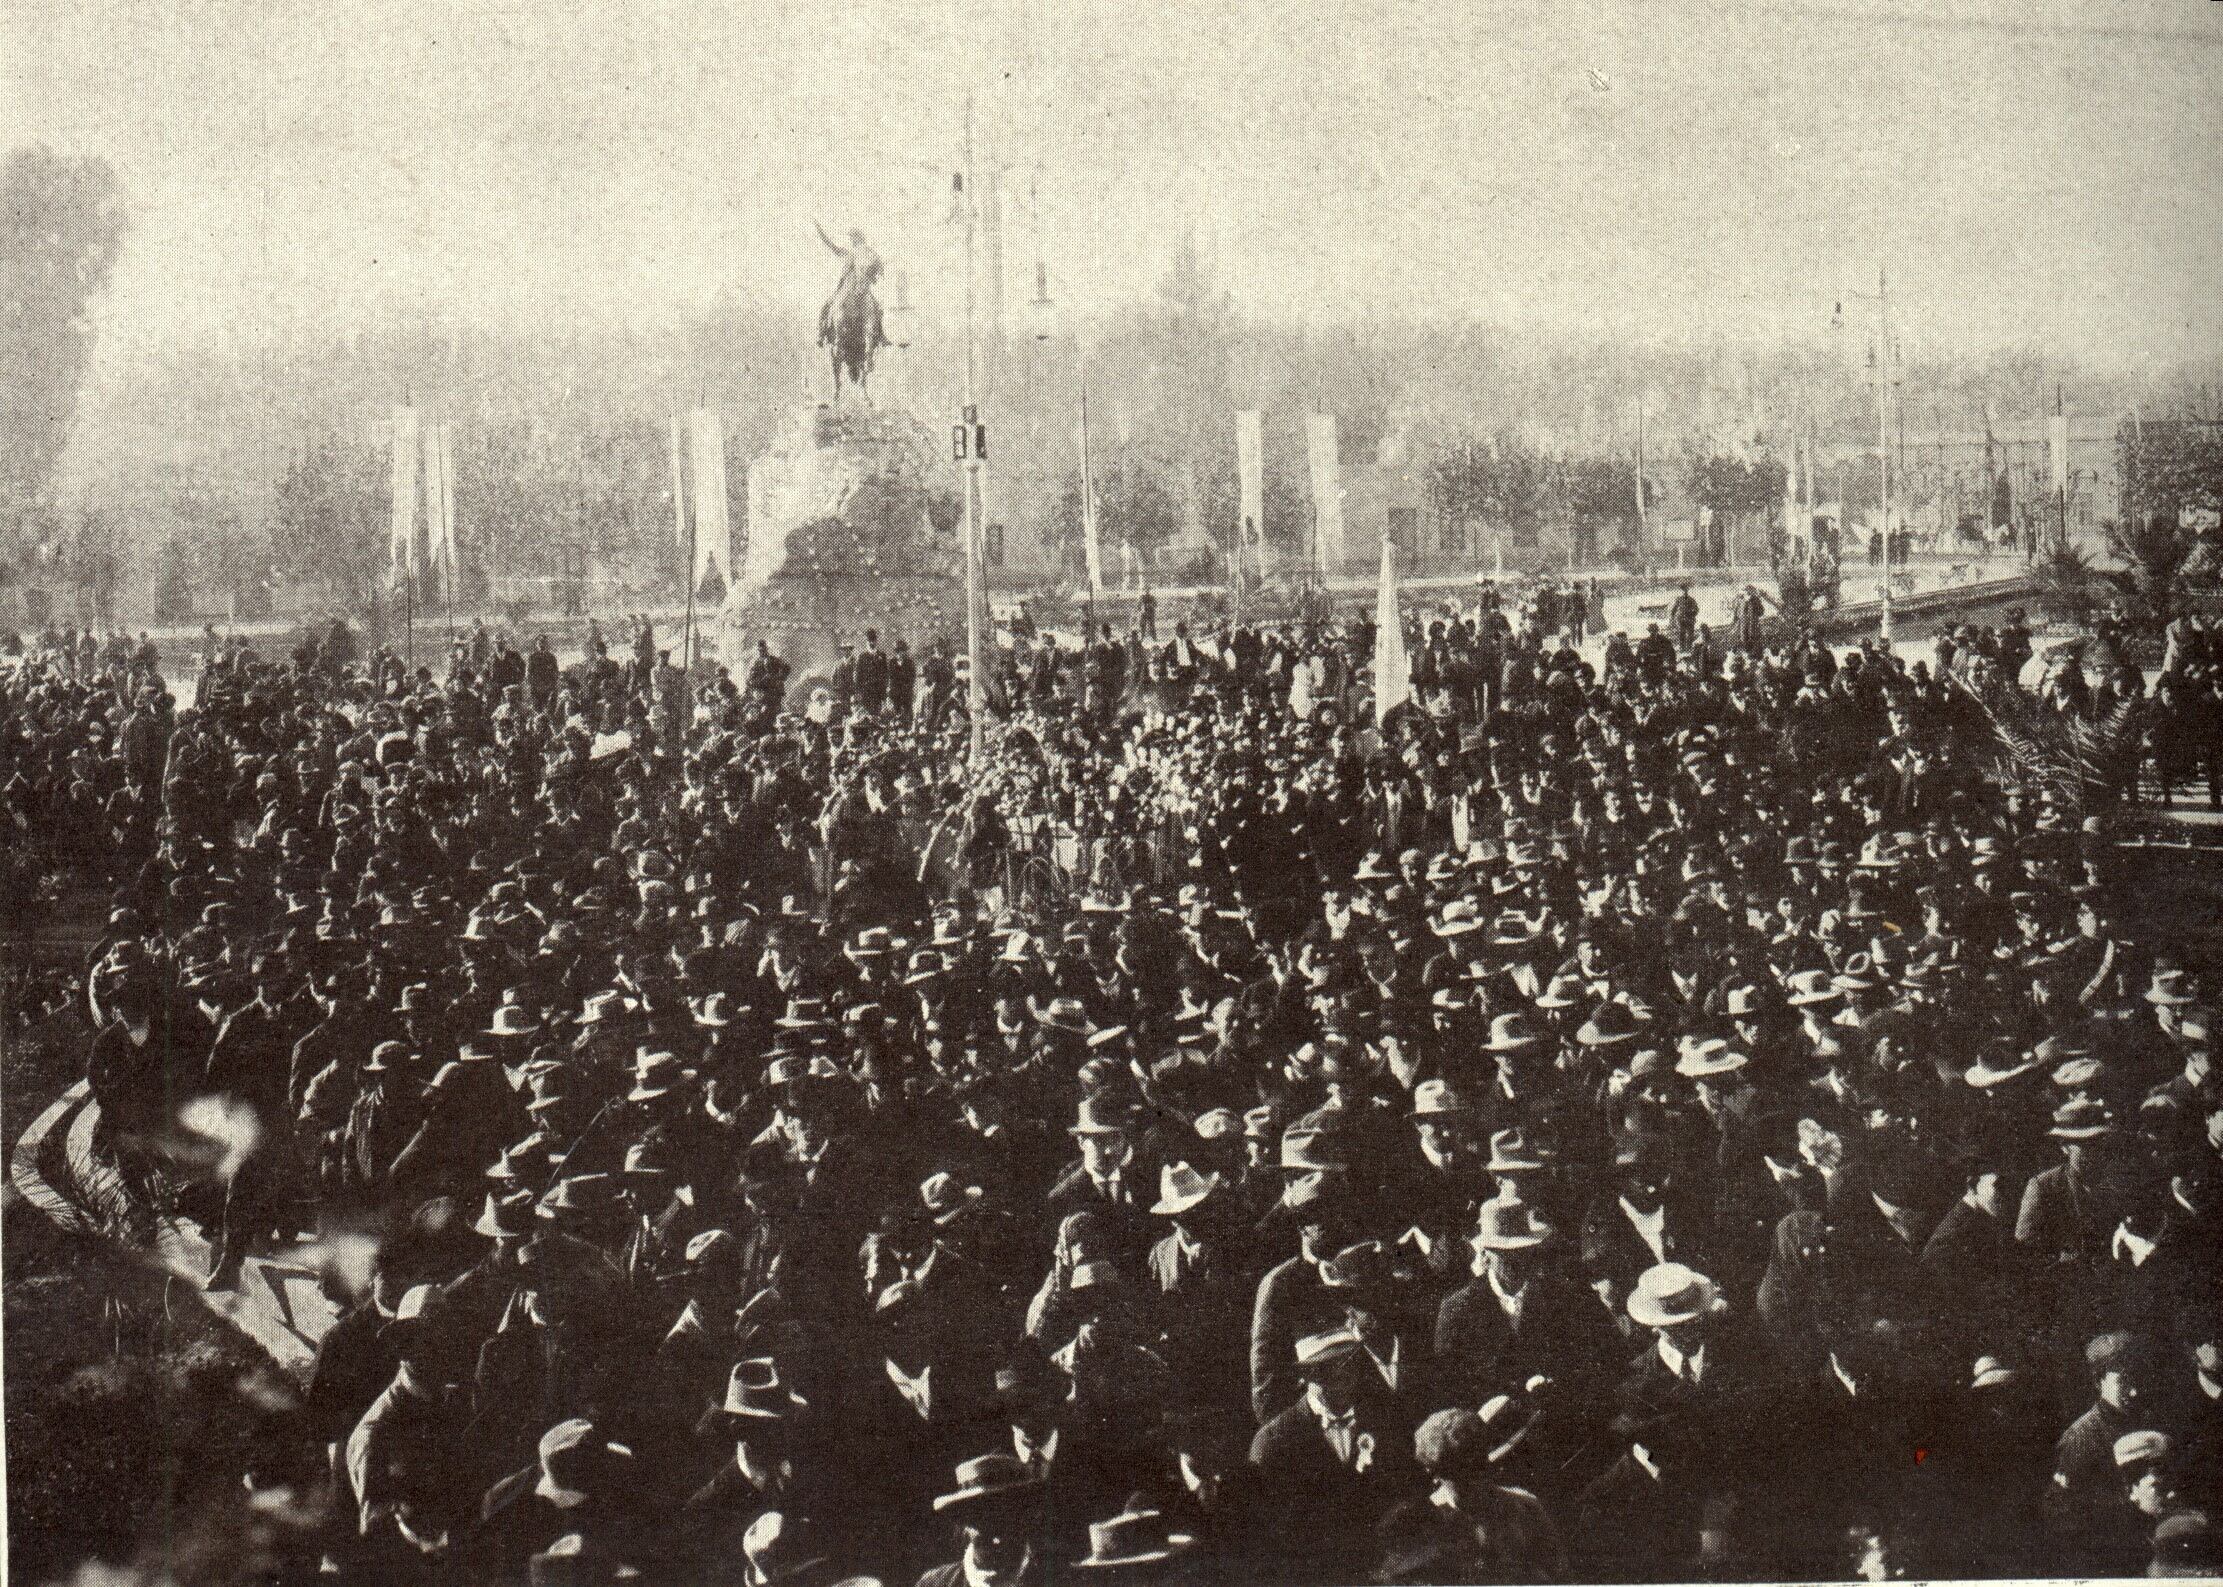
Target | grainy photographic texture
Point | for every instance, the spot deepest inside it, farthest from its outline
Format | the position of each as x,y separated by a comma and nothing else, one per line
1014,794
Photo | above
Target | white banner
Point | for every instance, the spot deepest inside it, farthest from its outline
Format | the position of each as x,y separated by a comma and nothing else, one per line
439,502
1793,530
2057,443
1393,673
402,555
1092,545
1250,473
1327,491
713,546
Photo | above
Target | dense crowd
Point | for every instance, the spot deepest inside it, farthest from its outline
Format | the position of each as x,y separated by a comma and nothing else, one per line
1700,1115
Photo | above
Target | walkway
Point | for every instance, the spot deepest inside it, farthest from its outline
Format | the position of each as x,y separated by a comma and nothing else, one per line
277,1302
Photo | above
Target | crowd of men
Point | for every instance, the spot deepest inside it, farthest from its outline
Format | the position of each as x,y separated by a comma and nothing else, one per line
1694,1117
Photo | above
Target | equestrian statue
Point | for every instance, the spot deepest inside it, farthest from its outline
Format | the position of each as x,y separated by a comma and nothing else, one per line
849,325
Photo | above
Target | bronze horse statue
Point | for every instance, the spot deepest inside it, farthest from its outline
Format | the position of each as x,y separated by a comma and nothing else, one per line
849,325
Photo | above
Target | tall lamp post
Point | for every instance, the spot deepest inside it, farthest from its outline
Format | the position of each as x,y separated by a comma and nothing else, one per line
1883,366
971,442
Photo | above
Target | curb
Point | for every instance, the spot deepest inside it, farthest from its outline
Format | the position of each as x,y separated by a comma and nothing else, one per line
277,1304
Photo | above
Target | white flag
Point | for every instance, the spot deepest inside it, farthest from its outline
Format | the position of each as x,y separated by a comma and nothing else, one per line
439,499
1393,673
403,545
1327,491
1092,547
712,546
2057,442
1250,470
1790,498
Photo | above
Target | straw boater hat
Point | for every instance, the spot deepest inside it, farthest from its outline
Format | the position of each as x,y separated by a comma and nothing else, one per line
1671,1294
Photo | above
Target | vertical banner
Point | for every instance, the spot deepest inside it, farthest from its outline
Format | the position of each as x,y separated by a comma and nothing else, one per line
713,549
1327,491
403,546
1092,548
1250,477
447,496
437,521
1393,673
1794,533
2057,443
679,489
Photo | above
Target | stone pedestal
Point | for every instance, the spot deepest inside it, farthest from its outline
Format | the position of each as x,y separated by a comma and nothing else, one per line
853,524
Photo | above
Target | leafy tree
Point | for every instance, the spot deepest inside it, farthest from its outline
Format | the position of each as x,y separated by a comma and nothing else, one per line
2168,465
2065,586
1738,490
2156,551
331,518
61,229
1134,506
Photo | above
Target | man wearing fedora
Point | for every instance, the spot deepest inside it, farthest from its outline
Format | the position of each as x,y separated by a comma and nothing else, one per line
1111,1177
1329,1464
1293,1298
1206,1284
996,1512
1525,1324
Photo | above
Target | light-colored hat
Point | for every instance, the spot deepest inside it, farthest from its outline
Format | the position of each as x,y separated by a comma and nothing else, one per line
754,1389
1511,1033
1711,1056
1134,1537
654,1075
1437,1098
1807,988
1181,1188
2142,1448
1670,1294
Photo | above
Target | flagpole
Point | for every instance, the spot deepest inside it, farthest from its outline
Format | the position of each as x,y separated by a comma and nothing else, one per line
687,654
1091,552
976,684
447,528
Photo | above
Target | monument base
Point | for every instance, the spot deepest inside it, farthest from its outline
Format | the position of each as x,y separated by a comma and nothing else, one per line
848,530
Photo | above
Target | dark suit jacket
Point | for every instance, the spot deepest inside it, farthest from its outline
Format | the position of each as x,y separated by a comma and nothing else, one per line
1632,1527
1201,1317
1563,1333
1975,1272
1291,1302
1129,1218
1327,1510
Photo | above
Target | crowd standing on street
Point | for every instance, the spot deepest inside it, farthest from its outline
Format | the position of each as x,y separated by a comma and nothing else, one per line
1697,1115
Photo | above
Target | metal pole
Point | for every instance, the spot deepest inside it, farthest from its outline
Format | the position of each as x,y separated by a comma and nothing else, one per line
687,653
1092,549
975,686
1643,516
1883,437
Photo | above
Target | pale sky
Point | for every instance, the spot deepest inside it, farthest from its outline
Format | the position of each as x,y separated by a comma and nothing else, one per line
2042,171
